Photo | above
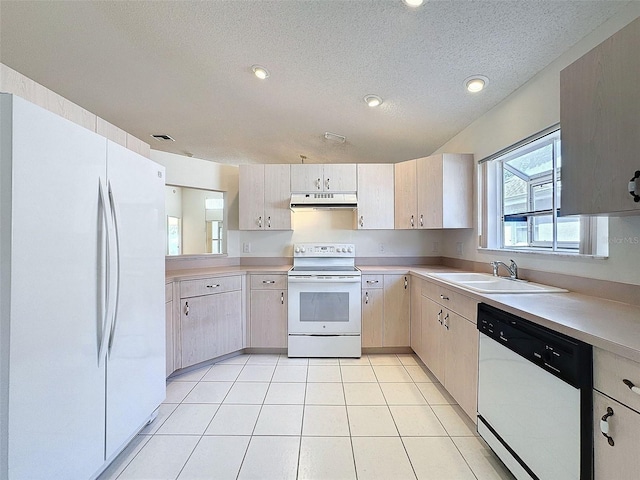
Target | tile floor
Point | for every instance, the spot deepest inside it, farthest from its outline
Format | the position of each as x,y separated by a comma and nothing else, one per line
272,417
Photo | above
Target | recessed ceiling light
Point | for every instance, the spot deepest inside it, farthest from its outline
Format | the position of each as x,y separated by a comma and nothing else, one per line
476,83
335,137
260,72
373,100
413,3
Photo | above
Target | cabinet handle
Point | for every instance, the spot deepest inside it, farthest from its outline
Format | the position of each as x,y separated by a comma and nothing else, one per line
444,297
372,282
282,298
366,298
634,190
421,220
186,308
269,222
327,183
213,286
446,323
260,222
318,184
631,386
412,222
268,282
604,425
440,317
361,221
406,283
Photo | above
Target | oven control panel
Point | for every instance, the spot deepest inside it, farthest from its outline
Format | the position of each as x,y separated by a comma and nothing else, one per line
324,250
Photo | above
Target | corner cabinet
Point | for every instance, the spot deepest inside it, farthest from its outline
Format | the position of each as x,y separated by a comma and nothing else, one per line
434,192
264,196
375,196
386,310
268,311
600,131
306,178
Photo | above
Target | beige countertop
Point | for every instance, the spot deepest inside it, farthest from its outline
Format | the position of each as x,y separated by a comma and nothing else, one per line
606,324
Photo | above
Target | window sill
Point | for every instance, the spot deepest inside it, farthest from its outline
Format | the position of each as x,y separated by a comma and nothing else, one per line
580,256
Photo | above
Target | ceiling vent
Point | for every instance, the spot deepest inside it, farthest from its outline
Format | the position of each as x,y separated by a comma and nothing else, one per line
162,137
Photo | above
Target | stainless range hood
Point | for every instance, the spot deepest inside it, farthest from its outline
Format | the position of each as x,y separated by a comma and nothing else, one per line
324,201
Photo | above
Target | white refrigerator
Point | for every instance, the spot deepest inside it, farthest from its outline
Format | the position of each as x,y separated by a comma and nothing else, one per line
82,348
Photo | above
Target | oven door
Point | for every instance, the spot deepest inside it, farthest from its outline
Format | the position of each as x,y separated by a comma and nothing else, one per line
324,304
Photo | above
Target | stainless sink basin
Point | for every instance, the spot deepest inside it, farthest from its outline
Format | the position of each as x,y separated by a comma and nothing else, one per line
485,283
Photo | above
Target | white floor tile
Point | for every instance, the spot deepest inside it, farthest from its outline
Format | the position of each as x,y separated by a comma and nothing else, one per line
324,373
436,458
237,360
192,376
371,421
290,373
363,394
176,391
285,394
251,393
357,373
408,359
324,458
420,374
323,361
324,394
271,458
363,360
435,394
256,373
189,419
402,394
125,457
483,462
208,392
263,359
455,421
161,458
215,457
417,421
234,420
279,420
381,458
384,359
325,421
391,373
223,373
284,360
164,411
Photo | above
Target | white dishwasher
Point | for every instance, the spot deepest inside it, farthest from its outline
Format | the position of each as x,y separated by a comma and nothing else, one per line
534,398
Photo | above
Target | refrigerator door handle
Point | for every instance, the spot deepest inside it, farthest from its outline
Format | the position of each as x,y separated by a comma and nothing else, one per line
115,215
106,320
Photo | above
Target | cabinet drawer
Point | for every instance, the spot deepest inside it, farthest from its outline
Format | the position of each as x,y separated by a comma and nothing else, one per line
168,292
610,371
372,281
268,282
454,301
208,286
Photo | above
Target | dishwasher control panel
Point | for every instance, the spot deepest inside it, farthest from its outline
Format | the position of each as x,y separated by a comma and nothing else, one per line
566,358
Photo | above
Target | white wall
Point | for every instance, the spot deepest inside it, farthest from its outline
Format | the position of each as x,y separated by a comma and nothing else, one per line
530,109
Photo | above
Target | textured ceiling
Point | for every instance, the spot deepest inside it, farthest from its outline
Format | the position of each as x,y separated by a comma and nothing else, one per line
183,68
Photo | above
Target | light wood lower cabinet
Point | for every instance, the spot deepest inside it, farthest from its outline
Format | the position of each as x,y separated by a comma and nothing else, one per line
268,311
386,310
416,316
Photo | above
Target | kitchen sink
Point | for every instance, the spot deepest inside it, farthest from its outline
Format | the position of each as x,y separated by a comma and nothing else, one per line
485,283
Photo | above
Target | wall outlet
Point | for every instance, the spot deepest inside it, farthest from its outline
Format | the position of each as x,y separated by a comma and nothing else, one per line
246,247
459,248
381,247
436,247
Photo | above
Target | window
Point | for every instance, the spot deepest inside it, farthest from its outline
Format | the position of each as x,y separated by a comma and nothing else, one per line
523,187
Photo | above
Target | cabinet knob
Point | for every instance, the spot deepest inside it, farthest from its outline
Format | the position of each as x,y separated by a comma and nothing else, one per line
372,282
318,184
634,189
406,283
412,222
631,386
361,221
186,308
269,222
444,297
260,222
421,220
213,286
446,321
440,317
268,282
282,298
366,298
327,184
604,425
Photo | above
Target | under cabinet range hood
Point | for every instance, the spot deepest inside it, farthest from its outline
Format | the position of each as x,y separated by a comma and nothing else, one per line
324,201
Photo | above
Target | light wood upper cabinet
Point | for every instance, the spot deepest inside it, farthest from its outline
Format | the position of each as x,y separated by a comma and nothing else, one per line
268,310
600,130
265,195
324,178
375,196
434,192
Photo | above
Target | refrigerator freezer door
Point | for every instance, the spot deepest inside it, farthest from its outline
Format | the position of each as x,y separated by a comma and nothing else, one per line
136,351
56,391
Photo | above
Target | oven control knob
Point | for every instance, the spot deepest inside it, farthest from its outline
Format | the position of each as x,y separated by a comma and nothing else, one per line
297,249
350,249
303,249
344,250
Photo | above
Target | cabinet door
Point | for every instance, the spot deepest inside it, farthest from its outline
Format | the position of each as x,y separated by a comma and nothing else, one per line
456,202
211,326
600,129
620,461
375,196
372,317
416,316
397,311
429,177
268,318
277,197
432,337
306,178
251,197
340,177
461,362
405,196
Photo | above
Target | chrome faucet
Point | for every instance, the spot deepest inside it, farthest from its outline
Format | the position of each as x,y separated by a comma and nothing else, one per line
513,269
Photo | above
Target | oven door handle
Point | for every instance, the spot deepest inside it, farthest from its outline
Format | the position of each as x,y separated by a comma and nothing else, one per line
323,279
